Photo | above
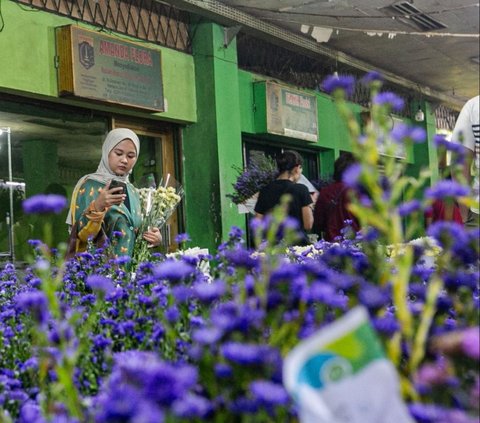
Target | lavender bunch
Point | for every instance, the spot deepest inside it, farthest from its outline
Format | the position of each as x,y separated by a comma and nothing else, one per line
259,173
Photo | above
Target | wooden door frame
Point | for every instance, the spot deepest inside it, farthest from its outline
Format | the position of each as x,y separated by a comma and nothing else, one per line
166,132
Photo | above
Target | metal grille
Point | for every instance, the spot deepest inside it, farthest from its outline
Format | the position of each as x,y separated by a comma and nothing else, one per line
445,118
413,15
146,20
277,62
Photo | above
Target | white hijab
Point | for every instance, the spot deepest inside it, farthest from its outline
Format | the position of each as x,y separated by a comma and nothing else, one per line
104,173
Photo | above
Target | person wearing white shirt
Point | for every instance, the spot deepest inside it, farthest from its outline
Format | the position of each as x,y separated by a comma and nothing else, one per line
467,132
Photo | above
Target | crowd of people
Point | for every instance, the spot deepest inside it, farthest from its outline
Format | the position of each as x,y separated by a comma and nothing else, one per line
327,213
98,208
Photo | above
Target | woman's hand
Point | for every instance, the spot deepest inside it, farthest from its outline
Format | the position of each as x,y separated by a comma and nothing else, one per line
153,237
109,197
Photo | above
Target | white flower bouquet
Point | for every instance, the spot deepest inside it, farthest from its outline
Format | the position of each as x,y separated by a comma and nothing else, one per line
157,204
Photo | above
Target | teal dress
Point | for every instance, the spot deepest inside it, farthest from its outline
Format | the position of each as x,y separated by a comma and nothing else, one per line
120,223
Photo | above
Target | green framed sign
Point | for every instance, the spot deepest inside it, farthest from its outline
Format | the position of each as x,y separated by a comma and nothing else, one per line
108,69
291,112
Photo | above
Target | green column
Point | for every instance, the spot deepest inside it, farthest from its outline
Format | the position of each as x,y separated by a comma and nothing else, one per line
425,155
213,144
40,165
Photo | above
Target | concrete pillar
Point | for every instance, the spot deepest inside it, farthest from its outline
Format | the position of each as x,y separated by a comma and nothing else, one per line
213,145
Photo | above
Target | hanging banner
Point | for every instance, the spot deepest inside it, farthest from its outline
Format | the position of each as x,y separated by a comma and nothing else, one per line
99,67
291,112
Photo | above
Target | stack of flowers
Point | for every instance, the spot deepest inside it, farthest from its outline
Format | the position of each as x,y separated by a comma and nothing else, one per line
259,173
157,204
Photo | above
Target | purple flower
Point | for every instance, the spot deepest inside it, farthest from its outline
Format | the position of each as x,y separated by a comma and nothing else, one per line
235,232
446,188
223,370
458,149
241,258
243,405
120,260
333,83
100,283
173,270
372,77
182,293
207,336
427,413
191,406
448,234
390,99
31,413
100,342
471,342
432,373
244,353
402,132
386,325
409,207
418,134
209,291
373,296
352,175
172,314
269,393
35,302
432,413
180,238
152,379
44,203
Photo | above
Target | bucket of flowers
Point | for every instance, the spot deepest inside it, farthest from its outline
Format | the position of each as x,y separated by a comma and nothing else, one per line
259,173
158,205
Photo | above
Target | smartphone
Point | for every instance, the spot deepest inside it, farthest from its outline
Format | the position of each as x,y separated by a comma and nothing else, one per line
114,183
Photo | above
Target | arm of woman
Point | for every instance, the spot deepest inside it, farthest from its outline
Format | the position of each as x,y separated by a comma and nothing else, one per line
93,202
307,216
305,200
88,219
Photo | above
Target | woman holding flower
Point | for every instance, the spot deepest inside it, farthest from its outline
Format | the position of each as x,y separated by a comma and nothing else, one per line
95,207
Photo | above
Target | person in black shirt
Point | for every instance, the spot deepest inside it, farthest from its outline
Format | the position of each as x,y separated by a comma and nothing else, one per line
289,165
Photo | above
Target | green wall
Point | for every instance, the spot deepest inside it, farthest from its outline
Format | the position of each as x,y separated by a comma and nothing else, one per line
332,130
27,63
205,91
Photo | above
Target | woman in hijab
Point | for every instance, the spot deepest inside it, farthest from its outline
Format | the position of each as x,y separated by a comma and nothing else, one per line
96,207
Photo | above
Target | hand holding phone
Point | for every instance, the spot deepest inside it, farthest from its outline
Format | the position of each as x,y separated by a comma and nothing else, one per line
115,183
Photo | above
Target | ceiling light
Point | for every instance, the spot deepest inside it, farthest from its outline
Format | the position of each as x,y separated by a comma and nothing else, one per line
321,35
420,116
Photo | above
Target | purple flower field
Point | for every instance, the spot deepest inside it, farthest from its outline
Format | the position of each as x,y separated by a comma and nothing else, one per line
93,342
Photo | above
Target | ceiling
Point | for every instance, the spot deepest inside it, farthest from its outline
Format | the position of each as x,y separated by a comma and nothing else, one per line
432,43
428,46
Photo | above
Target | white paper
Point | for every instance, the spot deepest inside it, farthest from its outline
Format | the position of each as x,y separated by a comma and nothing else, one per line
340,375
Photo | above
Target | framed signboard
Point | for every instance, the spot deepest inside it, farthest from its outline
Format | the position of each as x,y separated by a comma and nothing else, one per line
96,66
291,112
